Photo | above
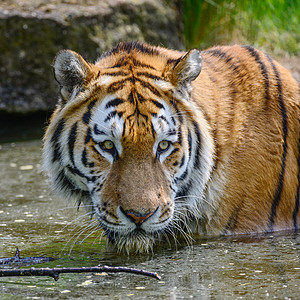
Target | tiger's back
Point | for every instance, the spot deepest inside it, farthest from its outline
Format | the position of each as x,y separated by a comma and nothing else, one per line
256,132
157,141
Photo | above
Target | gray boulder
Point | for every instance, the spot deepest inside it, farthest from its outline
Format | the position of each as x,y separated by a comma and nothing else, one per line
33,31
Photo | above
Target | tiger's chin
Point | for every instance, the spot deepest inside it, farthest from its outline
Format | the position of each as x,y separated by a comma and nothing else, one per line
135,242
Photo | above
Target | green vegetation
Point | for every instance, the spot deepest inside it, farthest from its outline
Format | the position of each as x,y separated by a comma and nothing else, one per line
273,25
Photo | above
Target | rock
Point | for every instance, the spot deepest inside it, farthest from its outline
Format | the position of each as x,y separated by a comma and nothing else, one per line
33,31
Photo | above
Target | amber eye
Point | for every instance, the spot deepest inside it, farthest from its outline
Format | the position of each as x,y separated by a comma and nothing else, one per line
163,145
108,145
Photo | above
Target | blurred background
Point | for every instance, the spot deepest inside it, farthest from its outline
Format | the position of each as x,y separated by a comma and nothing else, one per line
33,31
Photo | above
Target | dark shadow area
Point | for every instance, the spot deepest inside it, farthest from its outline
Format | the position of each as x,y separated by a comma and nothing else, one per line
17,127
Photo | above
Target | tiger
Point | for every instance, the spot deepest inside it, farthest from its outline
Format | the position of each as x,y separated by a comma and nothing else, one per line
158,142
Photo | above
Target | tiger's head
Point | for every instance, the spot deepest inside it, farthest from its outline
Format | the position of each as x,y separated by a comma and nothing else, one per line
128,141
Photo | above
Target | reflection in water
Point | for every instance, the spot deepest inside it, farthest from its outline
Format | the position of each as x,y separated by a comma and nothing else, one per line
42,225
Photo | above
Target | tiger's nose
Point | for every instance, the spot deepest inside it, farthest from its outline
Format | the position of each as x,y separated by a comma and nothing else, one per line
136,217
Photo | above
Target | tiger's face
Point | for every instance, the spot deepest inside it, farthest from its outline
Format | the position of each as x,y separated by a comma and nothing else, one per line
119,141
133,142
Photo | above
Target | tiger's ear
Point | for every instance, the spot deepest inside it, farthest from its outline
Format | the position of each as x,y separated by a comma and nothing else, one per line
70,71
187,68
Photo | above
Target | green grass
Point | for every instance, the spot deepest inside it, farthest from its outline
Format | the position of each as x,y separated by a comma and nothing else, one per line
273,25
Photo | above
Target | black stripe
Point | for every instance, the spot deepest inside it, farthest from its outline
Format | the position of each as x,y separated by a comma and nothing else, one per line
88,136
124,61
85,161
178,113
174,151
57,133
179,135
172,132
119,73
182,161
148,75
174,61
124,128
83,158
279,188
184,191
140,64
87,115
55,140
98,131
71,141
153,131
183,176
156,103
114,102
64,183
138,113
165,119
173,120
75,171
140,98
170,186
224,56
131,98
98,189
198,146
150,87
263,68
115,86
220,54
190,142
110,115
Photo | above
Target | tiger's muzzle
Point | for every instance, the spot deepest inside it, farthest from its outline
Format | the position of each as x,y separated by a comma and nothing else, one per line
135,201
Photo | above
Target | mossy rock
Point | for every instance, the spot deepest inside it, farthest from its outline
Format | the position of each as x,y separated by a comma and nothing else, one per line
32,32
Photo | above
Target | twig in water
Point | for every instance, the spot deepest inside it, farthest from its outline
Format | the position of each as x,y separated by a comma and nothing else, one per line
17,260
54,272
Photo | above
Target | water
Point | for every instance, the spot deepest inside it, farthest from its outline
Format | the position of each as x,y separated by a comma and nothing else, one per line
40,224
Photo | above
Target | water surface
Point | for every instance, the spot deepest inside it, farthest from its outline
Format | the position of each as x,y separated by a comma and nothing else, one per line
40,224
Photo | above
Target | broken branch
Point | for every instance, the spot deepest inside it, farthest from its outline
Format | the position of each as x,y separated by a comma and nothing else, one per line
54,272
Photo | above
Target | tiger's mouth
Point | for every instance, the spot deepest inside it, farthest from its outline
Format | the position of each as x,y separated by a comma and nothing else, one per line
131,232
136,241
132,240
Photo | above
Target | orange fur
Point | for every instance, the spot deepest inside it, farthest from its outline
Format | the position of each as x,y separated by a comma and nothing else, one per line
246,108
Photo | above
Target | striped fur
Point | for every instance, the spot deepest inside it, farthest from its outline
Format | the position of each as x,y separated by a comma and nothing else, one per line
156,141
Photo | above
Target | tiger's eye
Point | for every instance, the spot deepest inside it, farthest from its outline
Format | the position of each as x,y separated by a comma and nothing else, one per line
108,145
163,145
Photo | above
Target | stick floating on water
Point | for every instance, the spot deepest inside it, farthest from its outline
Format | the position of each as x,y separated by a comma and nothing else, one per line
54,272
17,260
